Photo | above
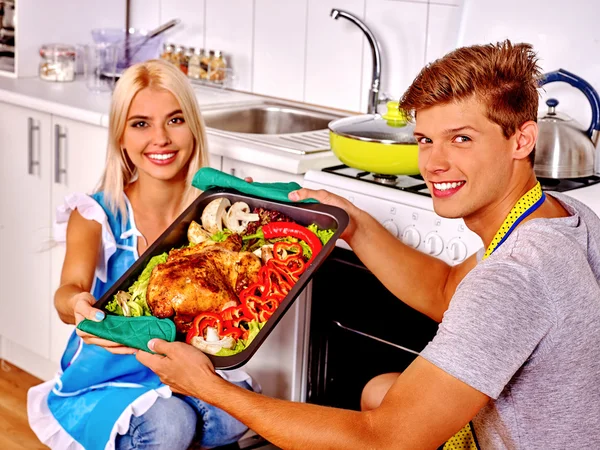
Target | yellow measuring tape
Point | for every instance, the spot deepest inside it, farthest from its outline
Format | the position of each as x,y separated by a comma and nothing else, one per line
465,438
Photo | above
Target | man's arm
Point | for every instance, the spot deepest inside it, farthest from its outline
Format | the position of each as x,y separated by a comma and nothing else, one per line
423,408
421,281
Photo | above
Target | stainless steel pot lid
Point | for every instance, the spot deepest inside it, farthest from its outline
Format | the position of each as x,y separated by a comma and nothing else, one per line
390,128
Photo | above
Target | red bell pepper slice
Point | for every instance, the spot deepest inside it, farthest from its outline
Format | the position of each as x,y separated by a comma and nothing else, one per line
232,331
264,315
200,322
284,229
250,306
233,312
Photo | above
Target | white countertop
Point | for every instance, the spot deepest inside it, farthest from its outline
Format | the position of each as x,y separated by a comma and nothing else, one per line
74,101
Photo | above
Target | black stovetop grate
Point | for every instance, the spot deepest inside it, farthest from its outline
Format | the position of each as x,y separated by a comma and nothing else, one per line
416,185
410,183
567,184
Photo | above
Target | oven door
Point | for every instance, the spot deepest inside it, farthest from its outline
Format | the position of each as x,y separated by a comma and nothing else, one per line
358,330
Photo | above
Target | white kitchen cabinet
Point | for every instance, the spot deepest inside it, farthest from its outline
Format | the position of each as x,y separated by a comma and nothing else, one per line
25,177
258,173
215,161
42,159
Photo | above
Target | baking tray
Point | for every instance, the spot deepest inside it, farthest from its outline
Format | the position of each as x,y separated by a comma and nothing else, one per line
325,216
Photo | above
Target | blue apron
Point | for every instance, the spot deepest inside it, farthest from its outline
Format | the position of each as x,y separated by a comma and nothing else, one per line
96,386
95,392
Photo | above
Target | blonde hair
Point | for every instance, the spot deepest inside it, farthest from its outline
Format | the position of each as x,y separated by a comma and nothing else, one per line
119,170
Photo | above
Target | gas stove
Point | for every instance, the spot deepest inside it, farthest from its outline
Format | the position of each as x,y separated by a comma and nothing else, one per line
415,183
403,205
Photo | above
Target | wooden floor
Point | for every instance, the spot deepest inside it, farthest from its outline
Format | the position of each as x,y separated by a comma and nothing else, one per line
15,433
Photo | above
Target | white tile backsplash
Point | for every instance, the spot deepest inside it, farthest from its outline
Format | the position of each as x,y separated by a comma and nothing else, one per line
294,49
564,35
442,30
400,28
230,28
190,32
280,48
334,55
145,14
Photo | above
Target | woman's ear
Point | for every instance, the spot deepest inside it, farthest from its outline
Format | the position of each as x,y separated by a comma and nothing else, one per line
526,139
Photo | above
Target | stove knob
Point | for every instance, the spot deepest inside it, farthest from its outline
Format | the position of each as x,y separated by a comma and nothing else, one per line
391,227
457,250
411,237
434,244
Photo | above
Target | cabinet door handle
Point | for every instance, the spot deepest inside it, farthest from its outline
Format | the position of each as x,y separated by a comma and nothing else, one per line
58,169
31,162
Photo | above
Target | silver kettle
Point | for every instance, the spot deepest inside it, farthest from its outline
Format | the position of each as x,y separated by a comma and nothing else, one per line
563,148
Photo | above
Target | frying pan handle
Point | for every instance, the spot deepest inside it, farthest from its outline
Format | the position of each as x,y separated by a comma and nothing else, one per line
583,86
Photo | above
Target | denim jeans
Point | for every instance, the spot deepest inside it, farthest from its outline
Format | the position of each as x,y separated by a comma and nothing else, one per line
169,424
173,423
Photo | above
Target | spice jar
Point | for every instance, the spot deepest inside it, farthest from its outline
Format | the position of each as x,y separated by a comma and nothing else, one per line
218,67
194,64
167,53
185,61
205,62
178,55
58,62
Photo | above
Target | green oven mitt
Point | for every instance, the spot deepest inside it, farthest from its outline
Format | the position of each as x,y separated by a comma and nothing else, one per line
132,332
207,178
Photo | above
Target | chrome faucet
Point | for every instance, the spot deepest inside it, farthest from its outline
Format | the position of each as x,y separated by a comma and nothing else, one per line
375,50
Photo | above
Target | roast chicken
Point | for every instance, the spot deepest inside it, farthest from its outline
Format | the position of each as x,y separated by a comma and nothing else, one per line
201,278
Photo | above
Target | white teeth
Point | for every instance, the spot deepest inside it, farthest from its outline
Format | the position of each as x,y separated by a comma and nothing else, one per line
161,156
446,186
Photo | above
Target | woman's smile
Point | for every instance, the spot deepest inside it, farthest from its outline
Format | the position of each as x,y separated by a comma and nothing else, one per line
162,158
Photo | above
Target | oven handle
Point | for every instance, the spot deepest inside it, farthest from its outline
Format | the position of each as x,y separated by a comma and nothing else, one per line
375,338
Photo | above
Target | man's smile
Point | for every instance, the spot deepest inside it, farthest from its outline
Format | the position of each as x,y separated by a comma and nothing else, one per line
447,188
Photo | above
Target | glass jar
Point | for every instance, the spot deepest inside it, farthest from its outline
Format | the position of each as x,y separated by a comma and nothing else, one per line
185,60
194,64
178,55
205,63
218,67
167,53
58,62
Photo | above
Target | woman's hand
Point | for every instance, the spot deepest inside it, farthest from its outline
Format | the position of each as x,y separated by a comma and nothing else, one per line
83,309
181,366
328,198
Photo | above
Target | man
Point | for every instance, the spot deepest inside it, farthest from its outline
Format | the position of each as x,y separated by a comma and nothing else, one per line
518,346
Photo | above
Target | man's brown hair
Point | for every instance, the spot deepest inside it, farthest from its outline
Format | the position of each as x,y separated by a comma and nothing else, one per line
504,76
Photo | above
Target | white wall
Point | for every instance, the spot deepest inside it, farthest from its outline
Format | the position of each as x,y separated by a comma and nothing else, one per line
294,49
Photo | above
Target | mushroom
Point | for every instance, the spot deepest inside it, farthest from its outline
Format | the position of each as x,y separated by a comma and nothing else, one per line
212,344
197,234
238,217
265,252
212,216
122,298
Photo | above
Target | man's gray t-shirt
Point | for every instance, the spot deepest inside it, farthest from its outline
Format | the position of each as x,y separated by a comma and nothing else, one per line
524,328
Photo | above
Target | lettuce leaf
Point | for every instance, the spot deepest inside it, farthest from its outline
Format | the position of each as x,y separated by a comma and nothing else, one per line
323,235
137,303
254,328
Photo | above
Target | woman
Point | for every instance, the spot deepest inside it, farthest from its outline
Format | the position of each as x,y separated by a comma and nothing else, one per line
102,397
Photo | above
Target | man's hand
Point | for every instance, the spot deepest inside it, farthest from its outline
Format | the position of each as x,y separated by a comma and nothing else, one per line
181,366
83,309
328,198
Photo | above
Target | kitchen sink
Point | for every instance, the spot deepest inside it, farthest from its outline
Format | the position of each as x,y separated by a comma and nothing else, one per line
287,127
267,118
